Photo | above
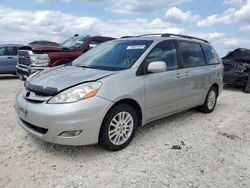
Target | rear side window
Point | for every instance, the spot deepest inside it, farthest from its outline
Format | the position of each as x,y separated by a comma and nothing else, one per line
211,55
192,54
94,43
165,51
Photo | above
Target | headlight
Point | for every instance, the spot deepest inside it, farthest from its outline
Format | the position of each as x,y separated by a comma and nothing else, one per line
74,94
40,59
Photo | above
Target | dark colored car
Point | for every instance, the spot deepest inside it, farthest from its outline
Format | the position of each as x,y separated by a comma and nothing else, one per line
8,58
237,68
35,57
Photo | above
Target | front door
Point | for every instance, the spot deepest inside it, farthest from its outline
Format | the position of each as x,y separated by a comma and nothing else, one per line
8,59
163,91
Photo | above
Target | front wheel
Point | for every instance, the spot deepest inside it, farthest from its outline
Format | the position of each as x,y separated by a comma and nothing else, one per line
118,128
21,77
210,101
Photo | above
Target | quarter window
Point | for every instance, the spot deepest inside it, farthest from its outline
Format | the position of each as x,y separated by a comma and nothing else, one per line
211,55
165,51
192,54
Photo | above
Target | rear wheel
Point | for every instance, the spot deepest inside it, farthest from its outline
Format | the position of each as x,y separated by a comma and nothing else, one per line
210,101
247,87
118,128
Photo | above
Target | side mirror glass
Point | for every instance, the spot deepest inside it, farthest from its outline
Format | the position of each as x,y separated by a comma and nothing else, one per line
157,66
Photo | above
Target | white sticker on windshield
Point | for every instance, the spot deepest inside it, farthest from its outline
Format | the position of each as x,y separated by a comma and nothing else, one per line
136,47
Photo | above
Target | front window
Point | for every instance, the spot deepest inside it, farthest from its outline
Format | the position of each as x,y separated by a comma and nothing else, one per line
113,55
165,51
8,51
73,42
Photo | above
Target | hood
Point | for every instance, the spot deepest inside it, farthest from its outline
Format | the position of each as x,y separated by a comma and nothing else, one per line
41,48
54,80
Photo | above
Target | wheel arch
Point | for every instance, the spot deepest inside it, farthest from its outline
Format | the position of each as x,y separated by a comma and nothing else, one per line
134,104
131,102
216,86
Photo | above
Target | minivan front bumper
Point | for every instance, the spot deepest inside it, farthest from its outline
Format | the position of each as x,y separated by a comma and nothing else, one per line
49,121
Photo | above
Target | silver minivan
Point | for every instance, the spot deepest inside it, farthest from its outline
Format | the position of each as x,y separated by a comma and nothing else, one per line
107,93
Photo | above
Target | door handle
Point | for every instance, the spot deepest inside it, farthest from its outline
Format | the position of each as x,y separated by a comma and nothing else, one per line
187,73
9,57
178,75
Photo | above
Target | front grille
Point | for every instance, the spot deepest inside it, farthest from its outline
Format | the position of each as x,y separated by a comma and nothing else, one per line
35,128
40,90
24,57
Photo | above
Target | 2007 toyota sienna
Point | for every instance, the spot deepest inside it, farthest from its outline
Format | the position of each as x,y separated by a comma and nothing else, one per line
107,93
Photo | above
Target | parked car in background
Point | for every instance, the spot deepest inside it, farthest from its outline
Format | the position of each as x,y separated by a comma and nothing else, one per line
107,93
8,58
237,68
34,57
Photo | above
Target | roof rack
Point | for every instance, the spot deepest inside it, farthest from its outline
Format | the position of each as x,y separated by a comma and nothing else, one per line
183,36
144,35
127,37
150,34
167,35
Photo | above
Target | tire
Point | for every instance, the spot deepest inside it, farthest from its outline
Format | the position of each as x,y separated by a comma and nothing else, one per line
21,77
247,87
210,101
119,127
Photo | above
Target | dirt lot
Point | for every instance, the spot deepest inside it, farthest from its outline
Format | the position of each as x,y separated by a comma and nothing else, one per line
211,150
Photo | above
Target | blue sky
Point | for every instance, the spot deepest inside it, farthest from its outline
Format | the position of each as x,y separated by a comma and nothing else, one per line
225,23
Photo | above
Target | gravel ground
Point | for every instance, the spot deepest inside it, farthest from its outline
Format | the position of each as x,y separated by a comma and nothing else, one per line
189,149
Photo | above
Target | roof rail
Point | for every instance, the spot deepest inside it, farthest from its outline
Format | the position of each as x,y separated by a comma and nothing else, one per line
150,34
183,36
167,35
144,35
127,37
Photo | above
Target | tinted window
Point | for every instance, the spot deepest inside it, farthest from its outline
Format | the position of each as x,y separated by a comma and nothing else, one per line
164,51
11,50
211,55
94,43
192,54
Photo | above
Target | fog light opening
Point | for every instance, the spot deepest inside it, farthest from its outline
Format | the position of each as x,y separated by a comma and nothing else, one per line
70,133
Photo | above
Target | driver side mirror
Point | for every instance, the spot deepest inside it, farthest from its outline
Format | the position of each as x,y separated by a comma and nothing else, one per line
157,66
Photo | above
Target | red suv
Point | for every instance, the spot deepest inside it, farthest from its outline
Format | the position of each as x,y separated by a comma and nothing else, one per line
36,57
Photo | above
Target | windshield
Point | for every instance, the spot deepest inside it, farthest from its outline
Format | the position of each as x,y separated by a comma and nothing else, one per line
113,55
73,42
